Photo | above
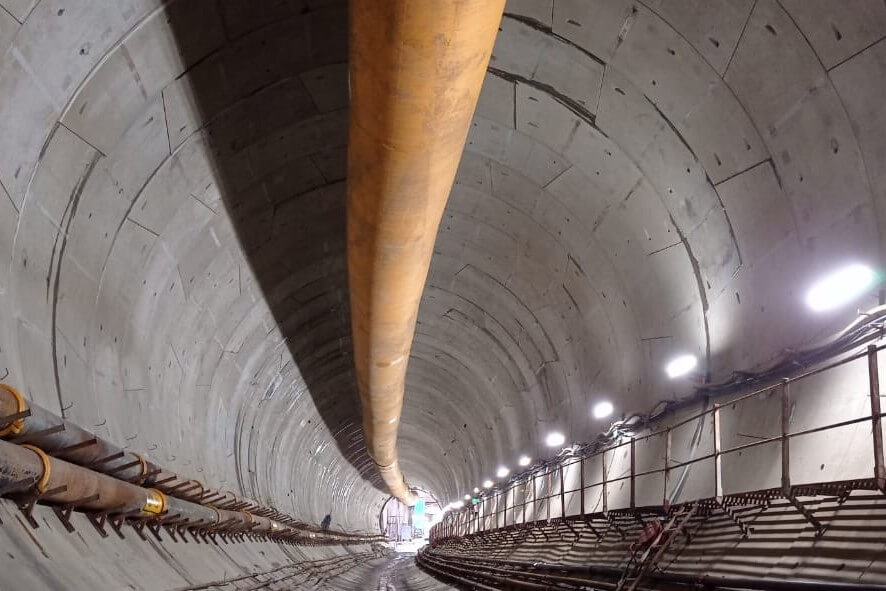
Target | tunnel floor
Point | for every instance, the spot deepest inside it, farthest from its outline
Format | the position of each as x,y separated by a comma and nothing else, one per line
395,573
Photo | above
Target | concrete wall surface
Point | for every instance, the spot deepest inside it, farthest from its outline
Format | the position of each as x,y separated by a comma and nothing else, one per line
641,179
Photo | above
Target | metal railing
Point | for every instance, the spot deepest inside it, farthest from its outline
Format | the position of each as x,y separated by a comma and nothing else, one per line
563,491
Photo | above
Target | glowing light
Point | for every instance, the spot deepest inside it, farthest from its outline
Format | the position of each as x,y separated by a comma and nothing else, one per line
524,460
555,439
476,490
467,497
502,471
840,287
602,410
680,366
487,484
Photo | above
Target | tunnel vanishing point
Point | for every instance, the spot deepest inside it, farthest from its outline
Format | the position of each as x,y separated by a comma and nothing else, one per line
442,294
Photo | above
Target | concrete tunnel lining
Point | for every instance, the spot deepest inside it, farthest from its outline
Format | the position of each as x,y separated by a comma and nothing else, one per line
173,231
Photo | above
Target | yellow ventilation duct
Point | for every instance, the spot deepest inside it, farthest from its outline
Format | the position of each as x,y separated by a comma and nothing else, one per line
416,68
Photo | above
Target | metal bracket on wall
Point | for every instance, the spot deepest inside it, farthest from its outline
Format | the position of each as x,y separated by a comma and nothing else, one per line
63,512
26,504
745,529
807,515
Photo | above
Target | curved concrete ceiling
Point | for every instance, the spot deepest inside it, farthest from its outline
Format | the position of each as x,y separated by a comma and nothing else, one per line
641,179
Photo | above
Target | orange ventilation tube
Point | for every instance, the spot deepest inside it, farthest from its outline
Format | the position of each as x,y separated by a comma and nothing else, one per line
416,68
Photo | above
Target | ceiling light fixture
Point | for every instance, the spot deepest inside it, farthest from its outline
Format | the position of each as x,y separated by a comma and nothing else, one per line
502,471
555,439
487,484
840,287
467,497
524,460
603,409
476,490
681,365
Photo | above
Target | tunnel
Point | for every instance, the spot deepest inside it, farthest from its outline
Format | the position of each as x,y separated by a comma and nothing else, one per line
647,342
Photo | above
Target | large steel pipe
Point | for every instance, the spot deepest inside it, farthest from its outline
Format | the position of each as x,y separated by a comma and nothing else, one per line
416,68
26,469
63,439
66,440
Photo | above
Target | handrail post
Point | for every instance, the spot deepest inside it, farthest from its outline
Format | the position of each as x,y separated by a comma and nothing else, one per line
667,469
481,516
718,466
876,422
507,491
562,494
581,486
605,486
785,392
633,471
548,497
526,498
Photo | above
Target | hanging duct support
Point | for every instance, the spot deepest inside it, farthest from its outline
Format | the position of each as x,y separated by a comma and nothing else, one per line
416,68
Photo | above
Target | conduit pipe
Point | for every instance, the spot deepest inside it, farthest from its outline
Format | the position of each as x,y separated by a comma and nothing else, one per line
27,470
64,440
416,68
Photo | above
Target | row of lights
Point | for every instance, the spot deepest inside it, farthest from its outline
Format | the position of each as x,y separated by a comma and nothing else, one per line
677,367
831,292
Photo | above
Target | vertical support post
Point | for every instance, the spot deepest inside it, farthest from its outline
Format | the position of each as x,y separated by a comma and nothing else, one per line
525,495
469,519
562,494
718,464
481,515
876,422
507,491
633,472
581,486
548,496
605,486
785,439
666,501
786,460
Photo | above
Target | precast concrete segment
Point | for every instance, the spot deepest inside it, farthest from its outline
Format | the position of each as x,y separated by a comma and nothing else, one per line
416,71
